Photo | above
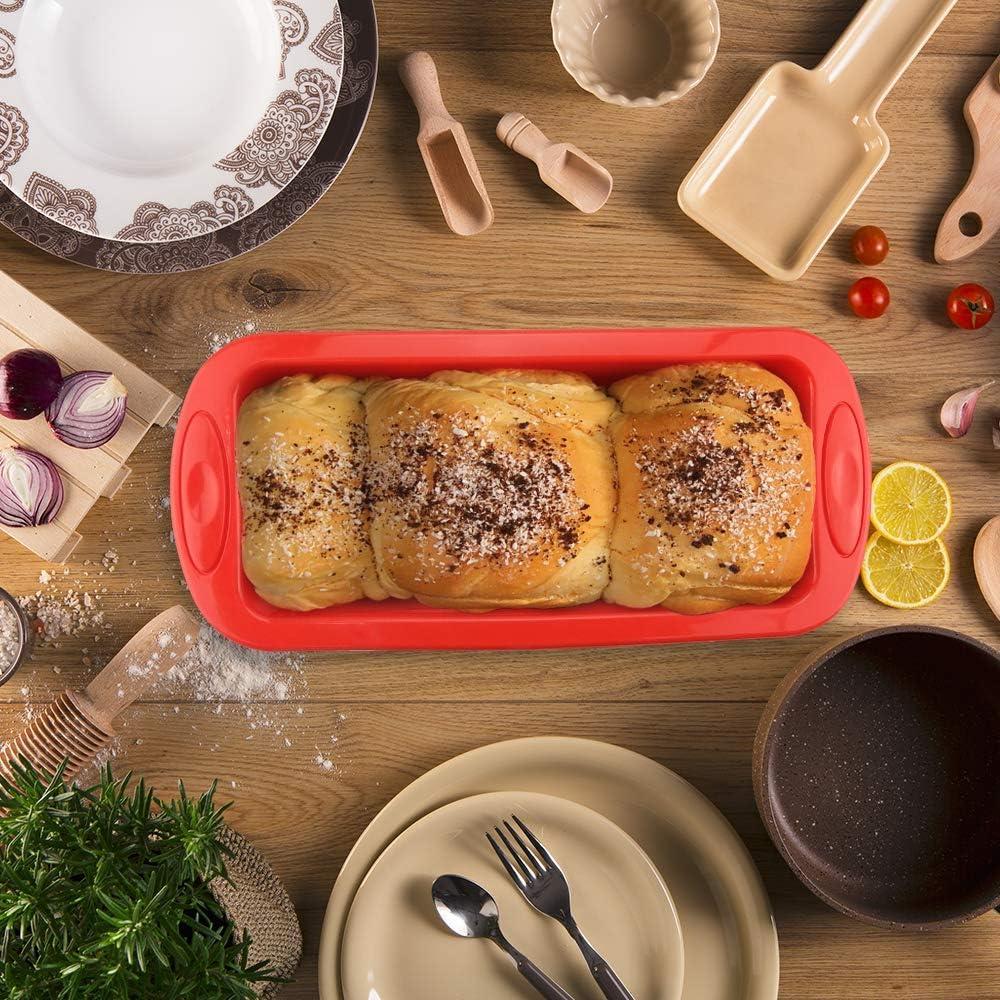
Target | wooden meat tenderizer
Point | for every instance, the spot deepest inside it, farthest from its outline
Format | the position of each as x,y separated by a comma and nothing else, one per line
79,723
445,148
568,170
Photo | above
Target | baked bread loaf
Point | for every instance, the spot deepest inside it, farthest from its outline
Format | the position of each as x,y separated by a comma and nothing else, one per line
302,459
715,469
491,490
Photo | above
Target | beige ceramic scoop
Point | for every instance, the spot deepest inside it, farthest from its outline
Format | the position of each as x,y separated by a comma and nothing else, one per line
569,171
446,151
79,723
795,155
974,216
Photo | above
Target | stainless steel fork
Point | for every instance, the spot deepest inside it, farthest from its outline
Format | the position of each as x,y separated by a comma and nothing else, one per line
541,881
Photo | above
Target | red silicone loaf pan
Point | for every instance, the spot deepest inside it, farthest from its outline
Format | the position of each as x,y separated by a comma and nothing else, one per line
207,519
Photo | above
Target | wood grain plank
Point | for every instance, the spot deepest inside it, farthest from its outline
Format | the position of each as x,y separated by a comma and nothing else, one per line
374,254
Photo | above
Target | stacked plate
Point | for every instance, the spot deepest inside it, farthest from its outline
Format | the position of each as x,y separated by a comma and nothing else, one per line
148,137
661,884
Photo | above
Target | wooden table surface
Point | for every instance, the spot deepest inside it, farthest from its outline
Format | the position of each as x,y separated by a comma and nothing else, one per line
375,254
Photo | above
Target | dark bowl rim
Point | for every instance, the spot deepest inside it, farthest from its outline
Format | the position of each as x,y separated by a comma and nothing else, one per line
763,743
6,673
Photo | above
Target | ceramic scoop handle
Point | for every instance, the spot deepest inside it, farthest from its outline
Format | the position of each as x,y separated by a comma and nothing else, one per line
420,77
878,46
145,658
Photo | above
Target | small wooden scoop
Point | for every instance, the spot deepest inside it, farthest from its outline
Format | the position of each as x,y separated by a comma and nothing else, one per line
974,216
569,171
79,723
446,151
986,558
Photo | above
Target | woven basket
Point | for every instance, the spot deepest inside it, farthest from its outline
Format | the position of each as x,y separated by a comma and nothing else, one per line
257,902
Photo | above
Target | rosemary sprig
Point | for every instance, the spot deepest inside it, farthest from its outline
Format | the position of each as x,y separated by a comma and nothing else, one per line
104,894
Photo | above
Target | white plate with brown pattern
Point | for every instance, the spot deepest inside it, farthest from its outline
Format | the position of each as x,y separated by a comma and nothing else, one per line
147,121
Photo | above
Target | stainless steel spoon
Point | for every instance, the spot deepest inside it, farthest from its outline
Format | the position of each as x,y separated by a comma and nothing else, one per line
468,910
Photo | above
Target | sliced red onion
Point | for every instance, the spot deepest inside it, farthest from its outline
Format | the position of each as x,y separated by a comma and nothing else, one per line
31,489
89,409
29,381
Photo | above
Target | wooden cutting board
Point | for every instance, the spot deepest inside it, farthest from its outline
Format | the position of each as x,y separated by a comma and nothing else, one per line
88,474
974,216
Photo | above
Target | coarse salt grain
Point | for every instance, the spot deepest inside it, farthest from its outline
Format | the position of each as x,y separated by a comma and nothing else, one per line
10,636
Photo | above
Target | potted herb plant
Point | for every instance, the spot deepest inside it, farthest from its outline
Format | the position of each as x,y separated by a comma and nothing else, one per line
109,893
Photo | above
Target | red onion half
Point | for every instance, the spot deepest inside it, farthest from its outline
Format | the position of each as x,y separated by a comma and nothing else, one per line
29,381
89,409
31,489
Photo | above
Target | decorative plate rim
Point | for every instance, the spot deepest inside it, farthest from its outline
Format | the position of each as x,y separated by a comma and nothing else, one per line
254,230
206,197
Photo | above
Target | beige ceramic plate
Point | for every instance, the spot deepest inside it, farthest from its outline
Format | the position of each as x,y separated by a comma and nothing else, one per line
730,943
396,948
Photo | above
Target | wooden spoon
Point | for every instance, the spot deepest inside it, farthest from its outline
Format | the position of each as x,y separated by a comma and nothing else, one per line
79,723
974,216
986,558
568,170
446,151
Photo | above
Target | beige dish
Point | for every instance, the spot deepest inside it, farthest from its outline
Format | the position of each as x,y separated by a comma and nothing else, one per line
396,948
636,53
730,943
796,154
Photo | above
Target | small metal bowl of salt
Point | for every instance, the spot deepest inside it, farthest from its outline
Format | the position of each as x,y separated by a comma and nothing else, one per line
15,636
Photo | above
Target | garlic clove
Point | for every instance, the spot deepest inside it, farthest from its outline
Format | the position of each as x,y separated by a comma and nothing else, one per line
959,409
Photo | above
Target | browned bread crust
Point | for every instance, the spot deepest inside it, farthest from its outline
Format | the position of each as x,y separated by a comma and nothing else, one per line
716,475
491,490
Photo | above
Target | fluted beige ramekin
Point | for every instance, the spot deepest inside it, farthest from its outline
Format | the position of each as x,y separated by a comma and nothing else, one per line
636,53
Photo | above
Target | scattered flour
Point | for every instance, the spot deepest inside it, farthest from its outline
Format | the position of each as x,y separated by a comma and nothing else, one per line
215,340
219,670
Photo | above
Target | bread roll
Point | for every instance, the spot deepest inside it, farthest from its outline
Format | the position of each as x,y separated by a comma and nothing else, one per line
302,459
491,490
716,476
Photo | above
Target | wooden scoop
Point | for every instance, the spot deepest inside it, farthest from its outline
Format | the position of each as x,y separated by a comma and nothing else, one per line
569,171
986,558
974,216
79,723
446,151
796,154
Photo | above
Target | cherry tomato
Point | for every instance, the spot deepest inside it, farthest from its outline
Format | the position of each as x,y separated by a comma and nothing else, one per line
970,306
870,245
869,298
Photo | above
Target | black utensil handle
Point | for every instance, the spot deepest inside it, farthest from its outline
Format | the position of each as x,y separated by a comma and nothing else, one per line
548,988
545,986
605,977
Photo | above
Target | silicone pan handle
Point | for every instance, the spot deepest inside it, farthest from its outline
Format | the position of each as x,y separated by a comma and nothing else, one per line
846,479
201,511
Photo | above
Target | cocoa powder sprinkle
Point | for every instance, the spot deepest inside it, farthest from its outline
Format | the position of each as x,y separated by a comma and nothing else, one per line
474,494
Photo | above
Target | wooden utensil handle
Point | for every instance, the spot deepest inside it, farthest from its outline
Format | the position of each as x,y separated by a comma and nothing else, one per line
154,650
878,46
980,198
520,135
420,77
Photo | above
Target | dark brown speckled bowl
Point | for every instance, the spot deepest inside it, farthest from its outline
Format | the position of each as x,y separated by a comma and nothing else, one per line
877,773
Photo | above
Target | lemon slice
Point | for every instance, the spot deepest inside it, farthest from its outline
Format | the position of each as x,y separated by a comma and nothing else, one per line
905,576
911,503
